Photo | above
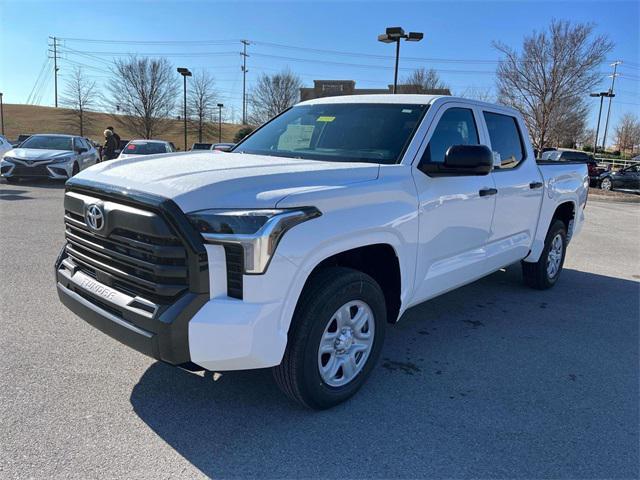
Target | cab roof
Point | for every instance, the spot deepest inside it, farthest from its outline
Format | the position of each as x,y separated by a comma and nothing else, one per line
402,98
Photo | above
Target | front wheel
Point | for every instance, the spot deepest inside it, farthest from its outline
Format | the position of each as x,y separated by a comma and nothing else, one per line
606,184
75,170
545,272
11,179
335,338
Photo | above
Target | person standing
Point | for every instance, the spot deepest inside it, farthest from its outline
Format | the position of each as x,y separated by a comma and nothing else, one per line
116,136
109,146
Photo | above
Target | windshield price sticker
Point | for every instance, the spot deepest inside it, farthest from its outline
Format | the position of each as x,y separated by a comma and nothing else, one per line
325,119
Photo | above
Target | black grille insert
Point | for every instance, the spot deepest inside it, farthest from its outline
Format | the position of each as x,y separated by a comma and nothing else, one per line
138,263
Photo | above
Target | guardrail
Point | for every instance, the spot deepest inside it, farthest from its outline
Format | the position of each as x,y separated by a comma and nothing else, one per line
616,163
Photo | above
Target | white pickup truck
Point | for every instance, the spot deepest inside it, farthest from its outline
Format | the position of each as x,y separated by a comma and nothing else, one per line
295,250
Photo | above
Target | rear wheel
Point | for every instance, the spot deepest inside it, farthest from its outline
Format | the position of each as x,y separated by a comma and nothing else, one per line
335,338
545,272
606,184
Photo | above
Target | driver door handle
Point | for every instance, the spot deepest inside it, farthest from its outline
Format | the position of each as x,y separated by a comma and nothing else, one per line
485,192
533,185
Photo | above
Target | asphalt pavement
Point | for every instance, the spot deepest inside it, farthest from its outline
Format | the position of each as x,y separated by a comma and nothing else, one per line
493,380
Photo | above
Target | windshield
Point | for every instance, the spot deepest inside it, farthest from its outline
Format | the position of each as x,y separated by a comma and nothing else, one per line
145,148
47,142
201,146
354,132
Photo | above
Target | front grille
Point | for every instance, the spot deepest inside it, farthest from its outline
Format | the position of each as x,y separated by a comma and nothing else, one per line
36,171
131,257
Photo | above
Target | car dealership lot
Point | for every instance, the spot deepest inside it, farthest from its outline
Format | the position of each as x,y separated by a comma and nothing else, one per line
492,380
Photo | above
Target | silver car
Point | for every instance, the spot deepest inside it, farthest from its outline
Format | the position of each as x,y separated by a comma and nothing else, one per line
48,156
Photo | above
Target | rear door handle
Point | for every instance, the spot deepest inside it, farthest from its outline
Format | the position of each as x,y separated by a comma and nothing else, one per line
533,185
485,192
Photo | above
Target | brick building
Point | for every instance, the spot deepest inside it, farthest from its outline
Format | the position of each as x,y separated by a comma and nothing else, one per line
333,88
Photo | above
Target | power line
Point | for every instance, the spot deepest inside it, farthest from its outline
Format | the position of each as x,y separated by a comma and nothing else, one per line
38,79
283,46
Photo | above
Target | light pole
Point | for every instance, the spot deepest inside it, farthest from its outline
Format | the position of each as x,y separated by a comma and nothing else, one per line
185,73
1,113
220,105
601,95
395,34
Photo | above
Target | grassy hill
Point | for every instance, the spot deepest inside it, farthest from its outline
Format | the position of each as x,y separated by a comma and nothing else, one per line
30,119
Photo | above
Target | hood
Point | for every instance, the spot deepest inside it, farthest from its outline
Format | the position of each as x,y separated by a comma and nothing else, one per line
37,154
234,180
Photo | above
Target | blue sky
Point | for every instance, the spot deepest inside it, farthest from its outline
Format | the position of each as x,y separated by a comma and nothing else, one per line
457,41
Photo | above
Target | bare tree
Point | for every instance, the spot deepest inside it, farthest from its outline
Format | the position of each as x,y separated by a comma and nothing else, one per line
144,91
273,94
570,119
478,93
586,139
79,94
628,133
548,80
202,102
422,80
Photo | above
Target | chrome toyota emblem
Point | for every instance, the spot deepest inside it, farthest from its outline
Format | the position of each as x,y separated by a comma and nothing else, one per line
94,217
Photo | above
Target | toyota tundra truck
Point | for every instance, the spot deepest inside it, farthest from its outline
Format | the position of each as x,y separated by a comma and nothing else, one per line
298,248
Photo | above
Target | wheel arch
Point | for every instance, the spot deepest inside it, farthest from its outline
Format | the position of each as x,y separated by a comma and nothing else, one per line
379,261
566,212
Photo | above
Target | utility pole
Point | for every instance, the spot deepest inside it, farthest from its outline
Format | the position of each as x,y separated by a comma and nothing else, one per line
1,113
601,95
55,67
244,80
613,82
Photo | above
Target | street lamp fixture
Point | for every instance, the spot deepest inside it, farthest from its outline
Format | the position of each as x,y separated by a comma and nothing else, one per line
395,34
185,73
602,96
220,105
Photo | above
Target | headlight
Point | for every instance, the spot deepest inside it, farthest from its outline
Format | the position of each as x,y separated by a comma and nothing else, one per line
257,231
62,159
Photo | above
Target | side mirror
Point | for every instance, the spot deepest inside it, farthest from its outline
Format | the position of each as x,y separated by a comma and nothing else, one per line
462,160
81,150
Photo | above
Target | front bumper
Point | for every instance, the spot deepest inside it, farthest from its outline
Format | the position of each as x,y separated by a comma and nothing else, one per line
160,332
62,170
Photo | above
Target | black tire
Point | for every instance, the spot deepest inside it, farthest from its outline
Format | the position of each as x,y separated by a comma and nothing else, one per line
75,170
606,184
11,179
536,275
298,376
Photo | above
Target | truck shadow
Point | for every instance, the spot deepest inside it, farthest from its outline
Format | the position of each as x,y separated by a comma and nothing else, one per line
482,382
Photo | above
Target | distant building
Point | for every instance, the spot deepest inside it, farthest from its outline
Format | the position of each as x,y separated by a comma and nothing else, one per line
333,88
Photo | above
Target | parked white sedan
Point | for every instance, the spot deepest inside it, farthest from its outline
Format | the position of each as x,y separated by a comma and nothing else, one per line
48,156
135,148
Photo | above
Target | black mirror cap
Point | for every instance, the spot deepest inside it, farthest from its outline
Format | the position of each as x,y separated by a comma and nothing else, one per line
462,160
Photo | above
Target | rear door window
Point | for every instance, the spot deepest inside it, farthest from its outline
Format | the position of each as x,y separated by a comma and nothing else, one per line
506,140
